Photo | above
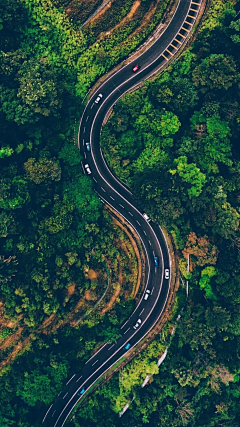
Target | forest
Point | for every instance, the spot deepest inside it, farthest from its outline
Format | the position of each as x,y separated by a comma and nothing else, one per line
175,142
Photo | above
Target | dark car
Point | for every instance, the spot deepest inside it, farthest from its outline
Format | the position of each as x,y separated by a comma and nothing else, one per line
156,261
136,68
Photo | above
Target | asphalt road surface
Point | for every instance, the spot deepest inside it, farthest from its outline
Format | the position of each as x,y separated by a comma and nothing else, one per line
117,195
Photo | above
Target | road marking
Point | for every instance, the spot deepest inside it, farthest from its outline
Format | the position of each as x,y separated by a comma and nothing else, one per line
94,179
83,141
138,222
87,118
111,347
193,2
92,106
168,51
145,232
185,29
84,129
79,379
121,205
130,213
112,198
188,23
85,155
103,189
141,311
173,46
152,290
176,40
70,379
47,413
65,395
126,331
95,362
164,57
53,412
179,34
190,16
59,393
150,243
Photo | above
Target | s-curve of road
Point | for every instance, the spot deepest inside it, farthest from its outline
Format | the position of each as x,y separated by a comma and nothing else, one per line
118,196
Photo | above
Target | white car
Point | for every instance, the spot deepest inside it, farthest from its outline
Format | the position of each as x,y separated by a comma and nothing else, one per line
147,294
98,99
88,169
137,324
146,217
167,274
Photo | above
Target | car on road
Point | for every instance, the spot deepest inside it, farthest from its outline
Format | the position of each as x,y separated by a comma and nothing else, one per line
147,294
166,273
146,217
81,392
136,68
156,261
98,99
127,346
137,324
88,146
87,168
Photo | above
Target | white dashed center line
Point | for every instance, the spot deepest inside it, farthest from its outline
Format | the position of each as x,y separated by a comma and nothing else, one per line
94,363
65,395
126,331
111,347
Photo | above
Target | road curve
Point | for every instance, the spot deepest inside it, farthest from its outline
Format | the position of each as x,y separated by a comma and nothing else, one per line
117,195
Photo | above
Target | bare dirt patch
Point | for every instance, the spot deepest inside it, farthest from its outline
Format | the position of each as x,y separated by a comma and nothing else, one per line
71,289
101,12
112,300
132,11
92,275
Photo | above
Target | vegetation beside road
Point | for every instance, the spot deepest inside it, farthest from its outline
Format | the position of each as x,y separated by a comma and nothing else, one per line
175,142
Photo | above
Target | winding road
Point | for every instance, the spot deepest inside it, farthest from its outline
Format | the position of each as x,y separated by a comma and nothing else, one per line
120,198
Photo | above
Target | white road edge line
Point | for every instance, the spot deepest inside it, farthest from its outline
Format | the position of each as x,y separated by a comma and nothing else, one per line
47,413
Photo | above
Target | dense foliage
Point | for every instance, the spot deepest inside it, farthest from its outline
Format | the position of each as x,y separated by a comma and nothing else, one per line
175,142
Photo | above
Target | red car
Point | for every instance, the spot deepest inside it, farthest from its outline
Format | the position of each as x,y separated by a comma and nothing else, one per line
136,68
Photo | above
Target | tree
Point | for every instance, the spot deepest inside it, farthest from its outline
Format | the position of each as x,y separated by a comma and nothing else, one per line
45,170
190,174
217,71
